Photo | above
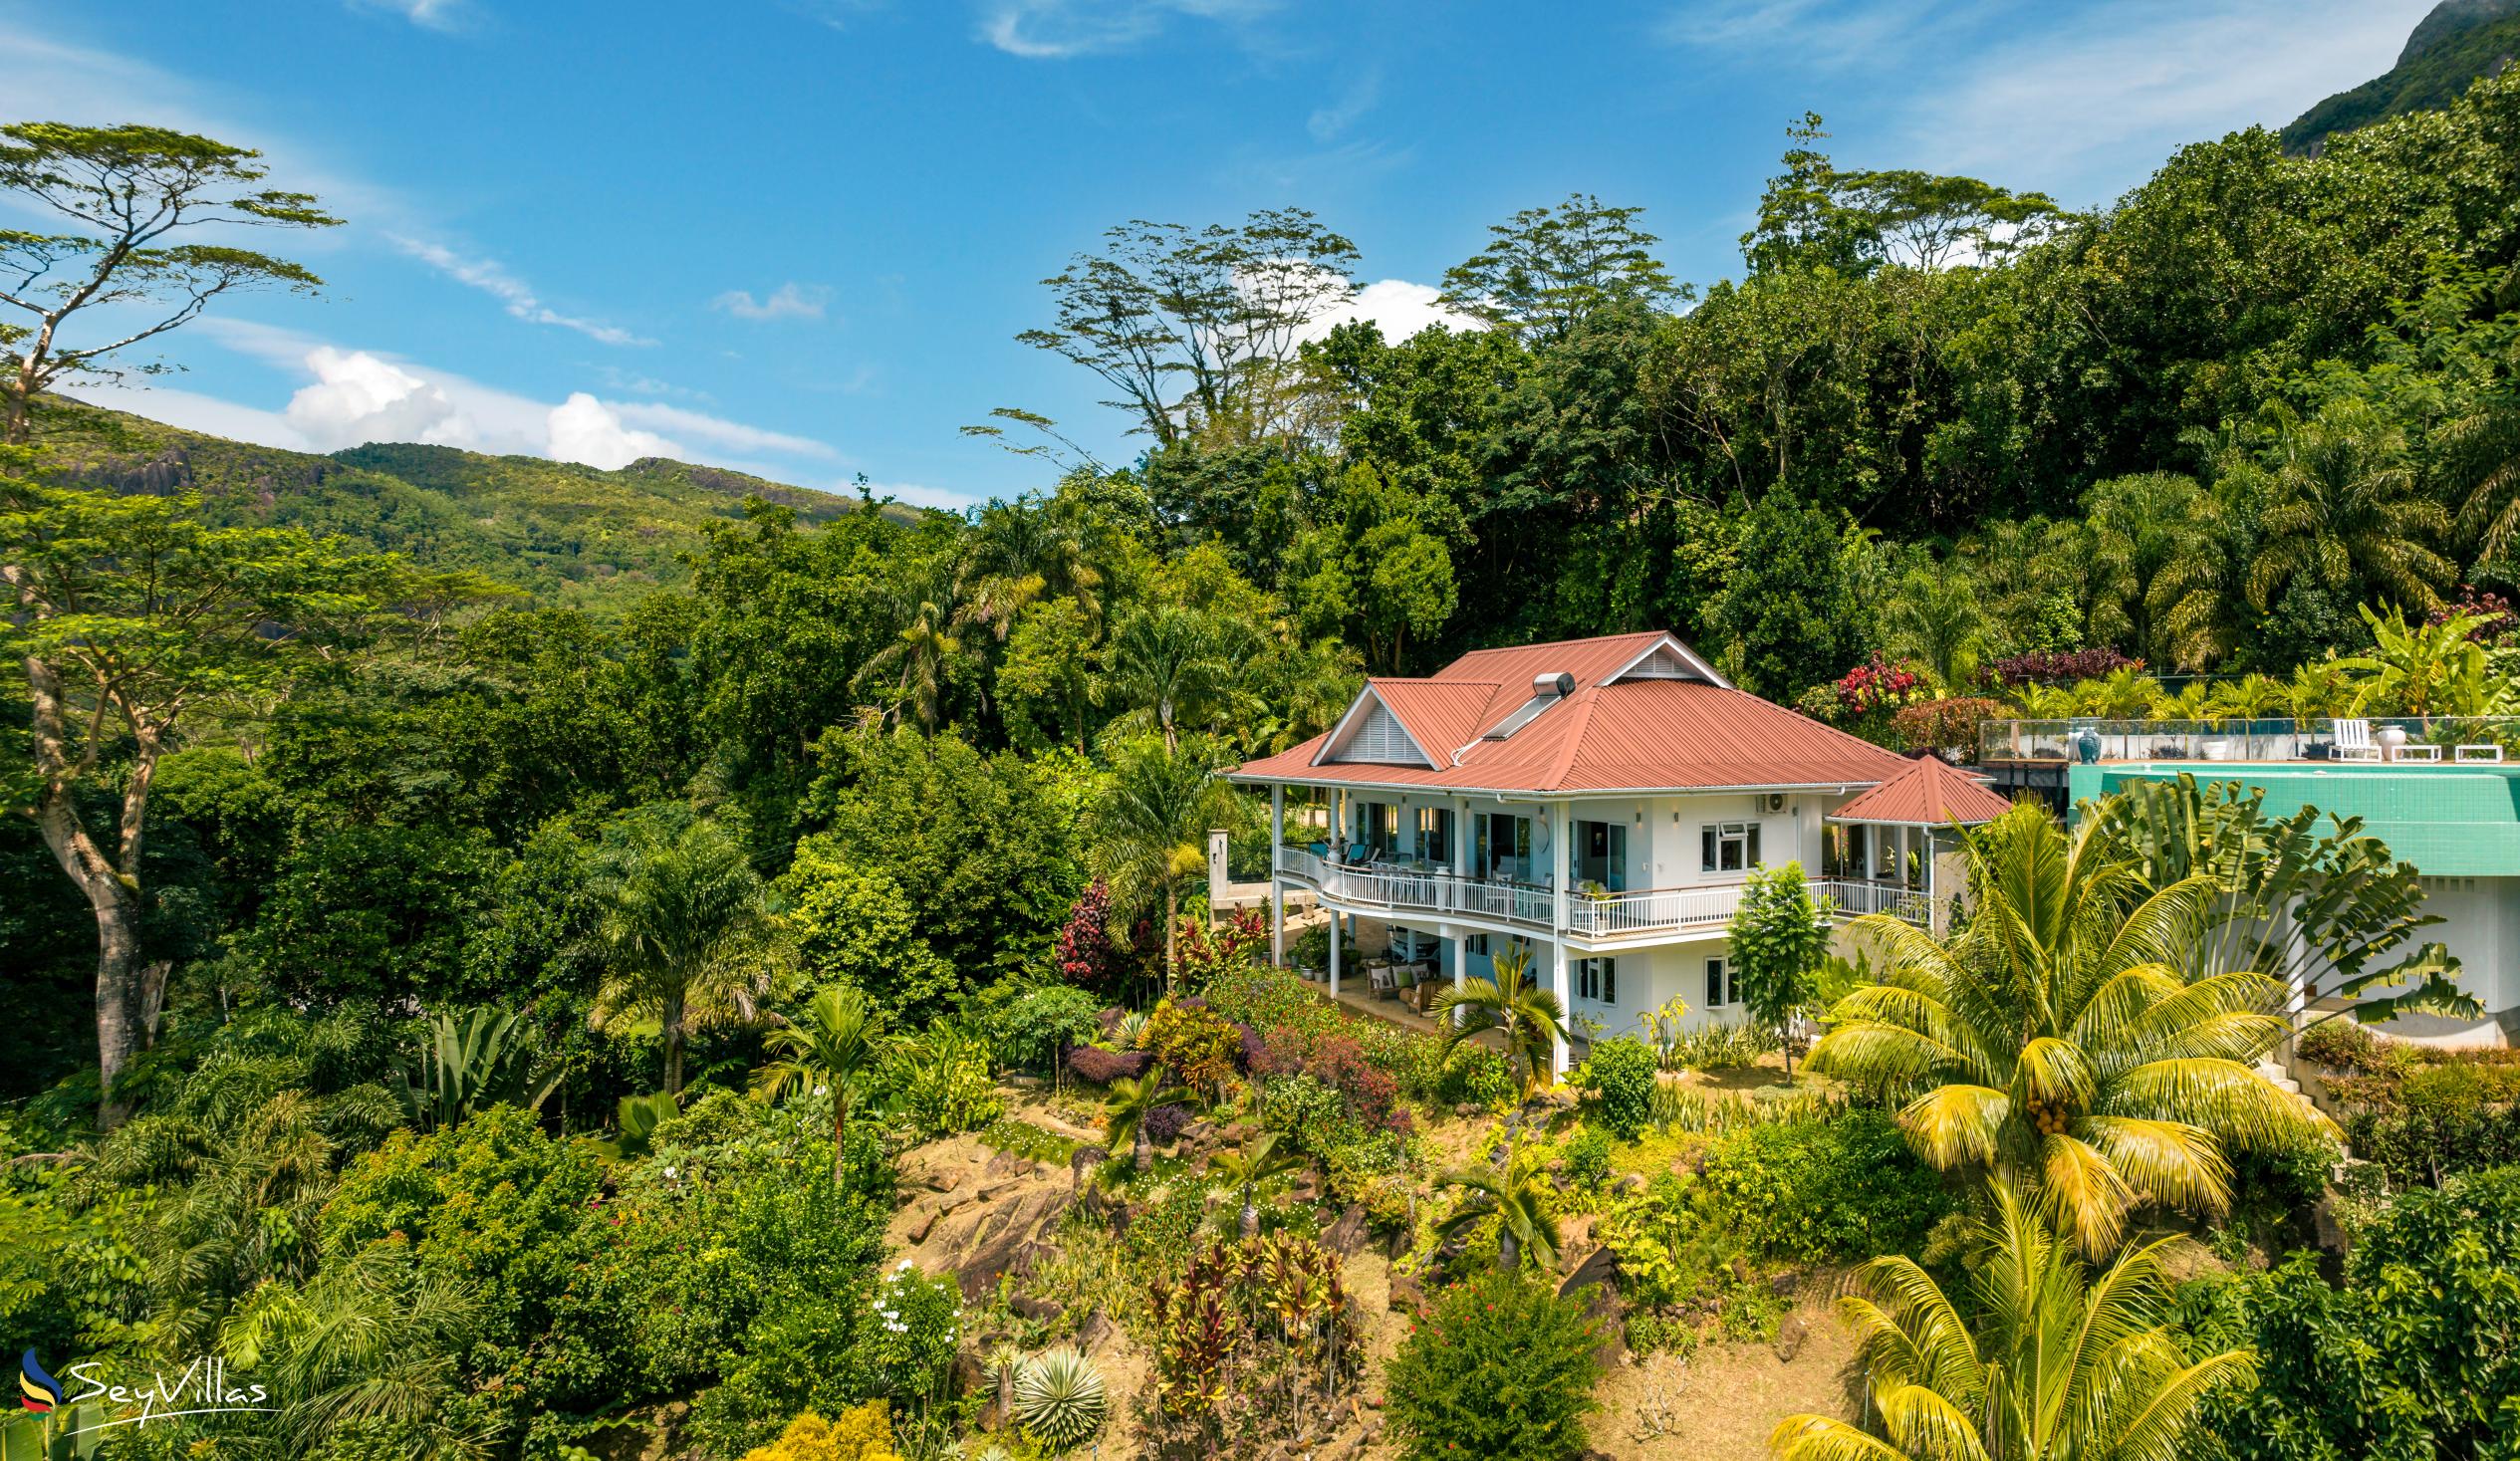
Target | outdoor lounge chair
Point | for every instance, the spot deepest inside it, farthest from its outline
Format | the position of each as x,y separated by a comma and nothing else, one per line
2354,742
1384,982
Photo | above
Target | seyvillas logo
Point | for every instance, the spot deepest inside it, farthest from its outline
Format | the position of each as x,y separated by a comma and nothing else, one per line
199,1388
37,1389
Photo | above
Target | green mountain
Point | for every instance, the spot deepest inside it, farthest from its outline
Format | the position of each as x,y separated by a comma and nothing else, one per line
564,533
2450,48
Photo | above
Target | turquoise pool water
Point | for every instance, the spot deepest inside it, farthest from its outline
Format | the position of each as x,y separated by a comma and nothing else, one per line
2449,820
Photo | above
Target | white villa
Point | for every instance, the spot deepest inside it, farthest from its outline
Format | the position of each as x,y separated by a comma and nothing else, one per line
1599,803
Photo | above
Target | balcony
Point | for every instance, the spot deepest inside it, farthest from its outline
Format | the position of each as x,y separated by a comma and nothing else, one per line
1435,892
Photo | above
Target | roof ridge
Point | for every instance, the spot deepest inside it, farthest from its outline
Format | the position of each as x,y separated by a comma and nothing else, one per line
1586,699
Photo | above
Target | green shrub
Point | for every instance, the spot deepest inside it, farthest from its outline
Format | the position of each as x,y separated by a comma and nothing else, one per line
1030,1029
1476,1075
1505,1367
1621,1074
1811,1191
2341,1044
1059,1396
939,1084
1198,1046
1588,1157
1269,999
2409,1358
1309,1111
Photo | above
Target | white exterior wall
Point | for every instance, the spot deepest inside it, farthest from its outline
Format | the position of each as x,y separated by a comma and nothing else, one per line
2480,923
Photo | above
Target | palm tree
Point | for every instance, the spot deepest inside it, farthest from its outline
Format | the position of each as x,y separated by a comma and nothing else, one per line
1260,1159
2058,1367
2154,544
841,1038
2342,510
1172,663
1532,1018
1128,1106
2065,1038
925,610
2481,449
682,931
1150,829
1934,617
1518,1198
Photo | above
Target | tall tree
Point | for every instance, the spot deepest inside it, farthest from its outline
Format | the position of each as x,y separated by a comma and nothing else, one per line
1547,270
2154,544
131,620
131,193
1195,329
681,932
1169,663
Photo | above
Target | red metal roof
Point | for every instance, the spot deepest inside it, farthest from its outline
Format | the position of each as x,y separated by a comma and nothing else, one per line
1629,735
1929,792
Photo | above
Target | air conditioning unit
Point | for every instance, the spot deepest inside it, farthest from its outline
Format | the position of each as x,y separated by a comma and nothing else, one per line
1776,801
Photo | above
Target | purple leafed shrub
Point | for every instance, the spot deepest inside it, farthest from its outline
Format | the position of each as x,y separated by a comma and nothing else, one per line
2059,666
1103,1066
1254,1048
1165,1122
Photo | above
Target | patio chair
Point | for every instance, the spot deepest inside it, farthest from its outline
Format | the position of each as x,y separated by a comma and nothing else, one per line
1360,853
1383,981
2354,742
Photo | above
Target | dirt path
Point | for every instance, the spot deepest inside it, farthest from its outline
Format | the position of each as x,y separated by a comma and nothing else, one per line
1720,1404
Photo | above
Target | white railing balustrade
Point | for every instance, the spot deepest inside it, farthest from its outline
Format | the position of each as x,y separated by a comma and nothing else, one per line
1400,889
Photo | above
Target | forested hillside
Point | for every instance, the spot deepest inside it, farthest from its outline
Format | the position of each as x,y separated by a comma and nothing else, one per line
2460,40
567,533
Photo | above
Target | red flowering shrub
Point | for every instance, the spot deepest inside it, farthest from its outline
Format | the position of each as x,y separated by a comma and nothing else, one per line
1103,1066
1207,952
2501,624
1877,684
1339,1062
1086,956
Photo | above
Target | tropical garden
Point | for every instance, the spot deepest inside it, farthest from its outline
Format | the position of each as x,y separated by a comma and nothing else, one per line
763,1000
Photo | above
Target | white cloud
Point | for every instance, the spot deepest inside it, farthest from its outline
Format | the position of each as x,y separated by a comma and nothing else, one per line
488,276
2077,100
354,396
1056,30
1399,306
435,15
584,430
790,301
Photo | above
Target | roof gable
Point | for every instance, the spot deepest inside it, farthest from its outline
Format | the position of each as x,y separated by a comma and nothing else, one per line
1372,734
1929,792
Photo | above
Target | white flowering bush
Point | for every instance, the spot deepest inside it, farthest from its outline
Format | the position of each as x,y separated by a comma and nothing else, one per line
917,1321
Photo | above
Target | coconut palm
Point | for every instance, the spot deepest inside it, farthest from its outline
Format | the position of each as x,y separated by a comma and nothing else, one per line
1260,1159
681,934
1532,1018
1151,829
2059,1367
1127,1107
2065,1038
840,1038
1518,1197
2342,510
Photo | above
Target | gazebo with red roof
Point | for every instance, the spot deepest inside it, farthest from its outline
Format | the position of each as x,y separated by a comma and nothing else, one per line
1920,805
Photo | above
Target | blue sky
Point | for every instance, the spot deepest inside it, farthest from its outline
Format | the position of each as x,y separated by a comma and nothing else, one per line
798,236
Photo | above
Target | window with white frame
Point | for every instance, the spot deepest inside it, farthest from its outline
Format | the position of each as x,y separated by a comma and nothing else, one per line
1475,943
1596,980
1729,846
1723,989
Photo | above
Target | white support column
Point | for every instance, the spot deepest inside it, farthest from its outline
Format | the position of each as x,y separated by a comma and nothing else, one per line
1560,833
1337,939
1277,885
1461,853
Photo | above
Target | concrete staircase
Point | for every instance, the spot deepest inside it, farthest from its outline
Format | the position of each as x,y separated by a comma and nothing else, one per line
2282,1079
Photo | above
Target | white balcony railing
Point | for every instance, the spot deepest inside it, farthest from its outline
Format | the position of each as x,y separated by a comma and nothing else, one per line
1426,890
